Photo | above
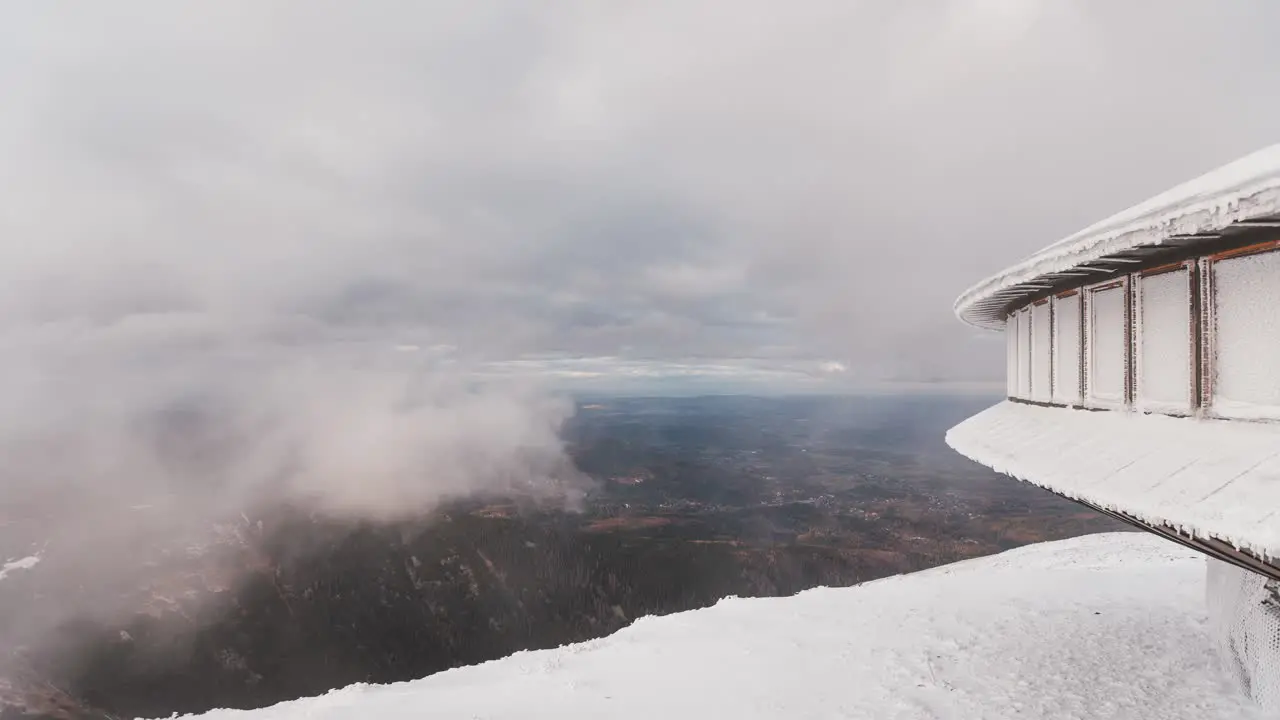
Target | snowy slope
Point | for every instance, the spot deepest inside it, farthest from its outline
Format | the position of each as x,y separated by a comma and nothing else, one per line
1105,626
1242,190
1209,478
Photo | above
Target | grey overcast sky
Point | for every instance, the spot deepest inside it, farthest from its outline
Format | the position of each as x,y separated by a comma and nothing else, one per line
754,194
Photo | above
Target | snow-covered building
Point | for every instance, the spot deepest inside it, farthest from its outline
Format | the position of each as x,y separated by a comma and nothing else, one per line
1142,381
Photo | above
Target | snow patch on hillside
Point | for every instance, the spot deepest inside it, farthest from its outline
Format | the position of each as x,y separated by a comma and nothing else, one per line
25,563
1104,626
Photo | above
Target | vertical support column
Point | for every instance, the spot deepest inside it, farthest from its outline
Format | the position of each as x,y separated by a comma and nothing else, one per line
1130,360
1197,325
1244,624
1084,349
1029,317
1206,342
1053,355
1086,308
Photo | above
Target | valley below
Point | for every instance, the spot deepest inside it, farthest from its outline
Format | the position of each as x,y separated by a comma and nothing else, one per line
690,500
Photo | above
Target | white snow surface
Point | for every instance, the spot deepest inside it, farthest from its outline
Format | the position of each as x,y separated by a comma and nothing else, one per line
1242,190
1104,626
1209,478
25,563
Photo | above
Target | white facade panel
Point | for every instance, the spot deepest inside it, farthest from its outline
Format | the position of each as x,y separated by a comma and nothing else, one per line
1011,356
1012,333
1247,336
1163,337
1041,354
1106,356
1066,350
1024,355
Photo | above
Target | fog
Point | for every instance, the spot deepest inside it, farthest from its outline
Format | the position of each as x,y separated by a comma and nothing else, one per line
355,255
763,187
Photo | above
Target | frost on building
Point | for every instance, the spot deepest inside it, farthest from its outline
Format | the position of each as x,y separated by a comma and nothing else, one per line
1143,380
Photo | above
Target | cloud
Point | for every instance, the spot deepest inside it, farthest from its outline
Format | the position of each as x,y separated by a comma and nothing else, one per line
665,180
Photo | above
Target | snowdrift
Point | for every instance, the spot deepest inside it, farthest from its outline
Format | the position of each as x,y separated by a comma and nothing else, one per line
1104,626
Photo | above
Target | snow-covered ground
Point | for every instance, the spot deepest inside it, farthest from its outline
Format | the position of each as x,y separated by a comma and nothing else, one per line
1104,626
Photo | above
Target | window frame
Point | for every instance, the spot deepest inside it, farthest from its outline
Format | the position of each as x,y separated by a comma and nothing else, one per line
1074,296
1087,321
1137,334
1208,341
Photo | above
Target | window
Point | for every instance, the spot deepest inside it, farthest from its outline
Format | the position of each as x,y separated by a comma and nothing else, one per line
1195,335
1011,355
1066,349
1024,354
1106,361
1163,352
1246,336
1041,352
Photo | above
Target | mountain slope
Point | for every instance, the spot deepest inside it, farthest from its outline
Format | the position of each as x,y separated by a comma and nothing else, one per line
1102,626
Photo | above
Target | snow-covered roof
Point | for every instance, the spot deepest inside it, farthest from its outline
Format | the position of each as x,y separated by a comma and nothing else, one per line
1211,479
1101,626
1244,190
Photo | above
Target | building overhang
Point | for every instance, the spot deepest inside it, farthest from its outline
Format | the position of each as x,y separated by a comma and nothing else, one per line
1214,485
